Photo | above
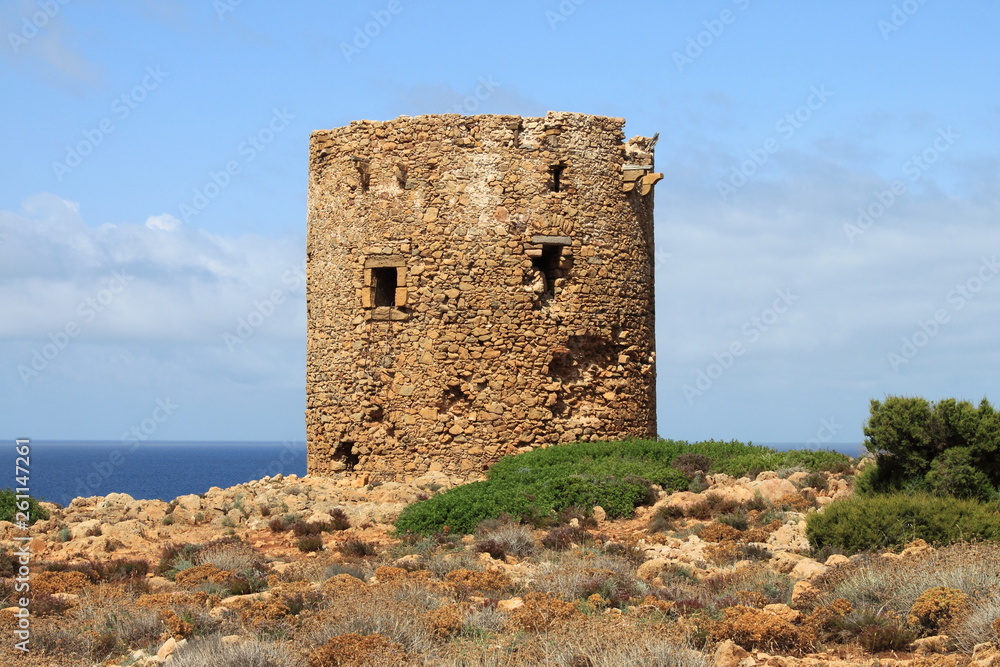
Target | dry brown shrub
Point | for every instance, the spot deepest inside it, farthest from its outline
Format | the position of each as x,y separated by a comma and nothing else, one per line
720,532
540,612
823,618
201,574
754,629
479,581
651,604
939,609
725,553
262,614
446,620
179,628
795,503
388,573
47,583
344,585
354,650
996,626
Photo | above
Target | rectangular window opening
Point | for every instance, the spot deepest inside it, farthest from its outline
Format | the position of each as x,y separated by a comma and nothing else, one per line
548,266
384,286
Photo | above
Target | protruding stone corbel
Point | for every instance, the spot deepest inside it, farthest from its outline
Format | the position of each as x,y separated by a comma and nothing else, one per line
647,183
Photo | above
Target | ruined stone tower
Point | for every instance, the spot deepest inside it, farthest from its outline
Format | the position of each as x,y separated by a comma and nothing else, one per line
477,285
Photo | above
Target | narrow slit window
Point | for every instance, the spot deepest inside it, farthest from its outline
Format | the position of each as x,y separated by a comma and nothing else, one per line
384,286
556,183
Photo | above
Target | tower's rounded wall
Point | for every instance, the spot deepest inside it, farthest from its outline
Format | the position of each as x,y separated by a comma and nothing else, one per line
461,308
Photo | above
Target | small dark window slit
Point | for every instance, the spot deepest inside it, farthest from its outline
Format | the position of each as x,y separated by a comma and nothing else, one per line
384,282
556,170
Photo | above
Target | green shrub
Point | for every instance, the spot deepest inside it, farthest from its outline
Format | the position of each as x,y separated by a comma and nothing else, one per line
891,521
949,447
953,473
537,485
9,507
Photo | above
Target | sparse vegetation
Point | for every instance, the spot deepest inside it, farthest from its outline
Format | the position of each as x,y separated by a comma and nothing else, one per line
558,587
534,487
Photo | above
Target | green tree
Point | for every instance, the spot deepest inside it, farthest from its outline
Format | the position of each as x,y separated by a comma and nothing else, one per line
949,447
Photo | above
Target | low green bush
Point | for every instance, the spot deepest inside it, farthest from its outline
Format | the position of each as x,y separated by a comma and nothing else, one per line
9,507
891,521
537,485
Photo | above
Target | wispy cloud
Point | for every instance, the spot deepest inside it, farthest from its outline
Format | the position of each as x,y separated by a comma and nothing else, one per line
185,285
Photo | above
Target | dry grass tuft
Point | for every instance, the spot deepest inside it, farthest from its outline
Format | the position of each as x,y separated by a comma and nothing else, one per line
213,652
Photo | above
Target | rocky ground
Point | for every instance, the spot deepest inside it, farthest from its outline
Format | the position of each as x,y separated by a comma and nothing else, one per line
515,598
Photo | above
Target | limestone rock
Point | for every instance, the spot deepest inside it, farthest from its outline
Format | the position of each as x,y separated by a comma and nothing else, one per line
510,604
190,502
85,529
730,654
931,645
651,569
986,655
807,568
772,488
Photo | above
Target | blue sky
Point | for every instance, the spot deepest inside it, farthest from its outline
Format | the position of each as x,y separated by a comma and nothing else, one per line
826,231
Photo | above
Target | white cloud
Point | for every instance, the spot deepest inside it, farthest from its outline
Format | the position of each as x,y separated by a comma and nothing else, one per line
140,285
165,222
857,302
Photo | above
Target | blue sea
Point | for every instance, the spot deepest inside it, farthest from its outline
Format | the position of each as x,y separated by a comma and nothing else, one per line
62,470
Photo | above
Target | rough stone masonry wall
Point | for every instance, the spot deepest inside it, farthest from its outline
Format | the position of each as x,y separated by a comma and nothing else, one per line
477,286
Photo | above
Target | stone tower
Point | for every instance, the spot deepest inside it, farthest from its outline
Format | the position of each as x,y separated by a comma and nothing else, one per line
477,286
